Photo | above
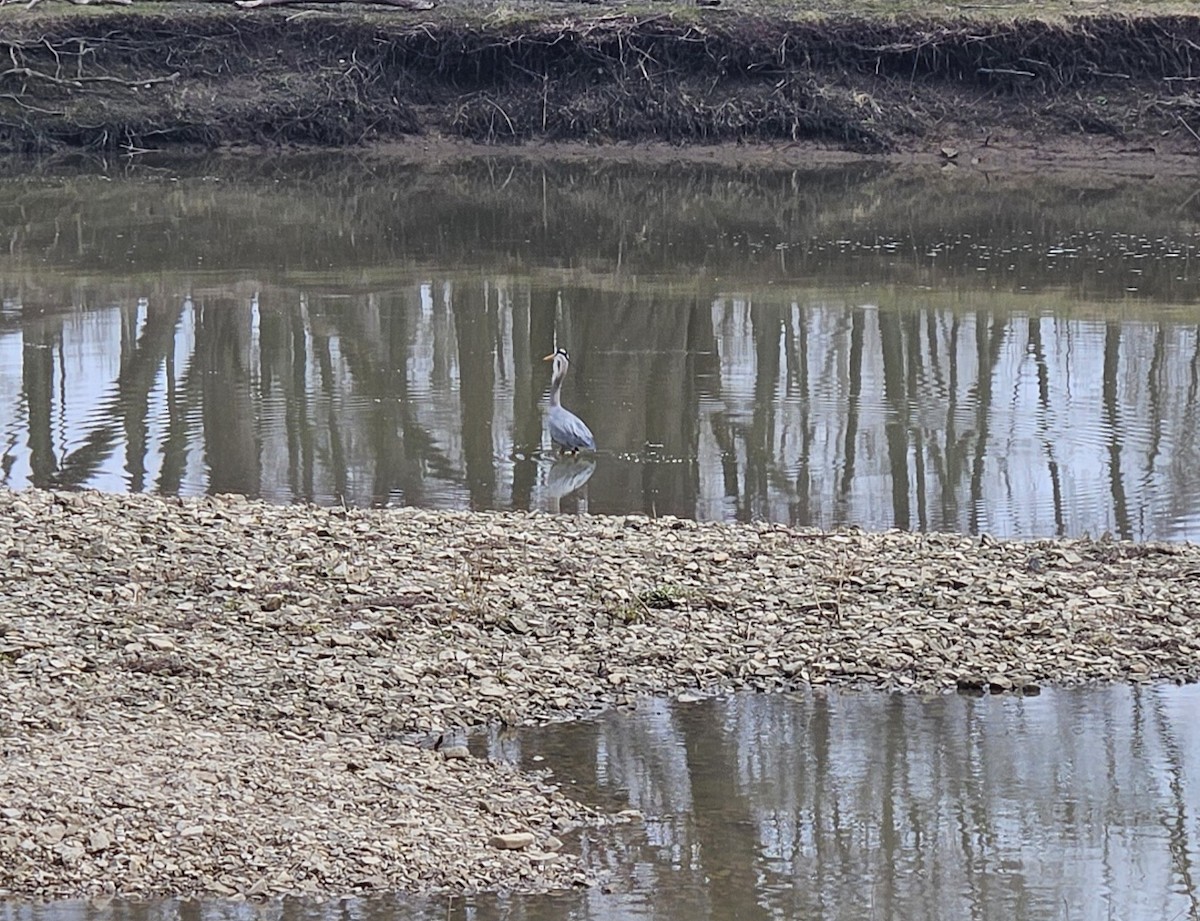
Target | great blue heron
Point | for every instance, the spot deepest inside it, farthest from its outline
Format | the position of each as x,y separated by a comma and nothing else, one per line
567,430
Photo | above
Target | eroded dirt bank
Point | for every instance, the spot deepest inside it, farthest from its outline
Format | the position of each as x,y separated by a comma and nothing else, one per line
214,76
222,696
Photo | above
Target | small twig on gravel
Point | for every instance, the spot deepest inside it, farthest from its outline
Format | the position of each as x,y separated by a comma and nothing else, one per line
641,602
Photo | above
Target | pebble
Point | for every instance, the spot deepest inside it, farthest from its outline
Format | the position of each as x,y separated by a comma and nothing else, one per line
98,840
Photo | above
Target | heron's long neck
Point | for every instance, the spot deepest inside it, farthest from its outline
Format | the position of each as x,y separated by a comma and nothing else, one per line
556,390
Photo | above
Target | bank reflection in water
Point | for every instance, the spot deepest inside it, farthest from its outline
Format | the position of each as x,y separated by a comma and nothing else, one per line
1077,804
807,407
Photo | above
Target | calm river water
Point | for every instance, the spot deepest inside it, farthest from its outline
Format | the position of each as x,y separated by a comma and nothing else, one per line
849,345
1075,805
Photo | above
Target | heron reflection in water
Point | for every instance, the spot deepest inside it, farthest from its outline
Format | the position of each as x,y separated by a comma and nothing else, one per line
568,479
568,432
568,475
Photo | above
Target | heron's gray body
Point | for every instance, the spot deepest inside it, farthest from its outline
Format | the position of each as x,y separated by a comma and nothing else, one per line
567,430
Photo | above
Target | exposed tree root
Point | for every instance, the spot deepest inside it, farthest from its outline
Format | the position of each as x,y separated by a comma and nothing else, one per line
416,5
141,79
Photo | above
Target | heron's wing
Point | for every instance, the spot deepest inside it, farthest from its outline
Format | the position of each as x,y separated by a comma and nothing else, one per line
568,429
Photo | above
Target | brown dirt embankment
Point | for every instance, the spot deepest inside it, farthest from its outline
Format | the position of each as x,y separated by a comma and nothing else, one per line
171,75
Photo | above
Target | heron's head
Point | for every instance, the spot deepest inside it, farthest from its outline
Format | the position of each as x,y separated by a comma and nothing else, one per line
561,360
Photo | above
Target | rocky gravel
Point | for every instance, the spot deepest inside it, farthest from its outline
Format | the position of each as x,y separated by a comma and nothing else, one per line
221,696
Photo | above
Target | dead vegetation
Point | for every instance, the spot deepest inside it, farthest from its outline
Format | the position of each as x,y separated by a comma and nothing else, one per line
136,80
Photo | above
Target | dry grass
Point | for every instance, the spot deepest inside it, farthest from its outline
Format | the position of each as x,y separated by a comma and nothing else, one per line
506,12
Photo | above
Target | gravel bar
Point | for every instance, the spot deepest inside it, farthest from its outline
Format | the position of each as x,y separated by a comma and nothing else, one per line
221,696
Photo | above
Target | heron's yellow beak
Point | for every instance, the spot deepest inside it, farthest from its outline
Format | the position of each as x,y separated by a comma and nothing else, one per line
548,357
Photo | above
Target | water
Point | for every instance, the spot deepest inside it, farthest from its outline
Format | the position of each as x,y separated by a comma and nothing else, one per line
1076,804
850,345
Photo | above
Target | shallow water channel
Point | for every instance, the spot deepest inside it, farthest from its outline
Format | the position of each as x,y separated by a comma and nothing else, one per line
930,349
1074,804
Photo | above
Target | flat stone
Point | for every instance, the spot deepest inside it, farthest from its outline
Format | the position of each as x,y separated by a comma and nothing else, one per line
489,688
70,854
98,840
512,841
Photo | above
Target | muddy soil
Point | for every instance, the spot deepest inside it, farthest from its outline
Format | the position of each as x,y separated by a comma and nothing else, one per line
175,75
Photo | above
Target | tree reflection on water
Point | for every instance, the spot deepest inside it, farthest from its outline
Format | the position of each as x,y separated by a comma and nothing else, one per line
1079,803
811,348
